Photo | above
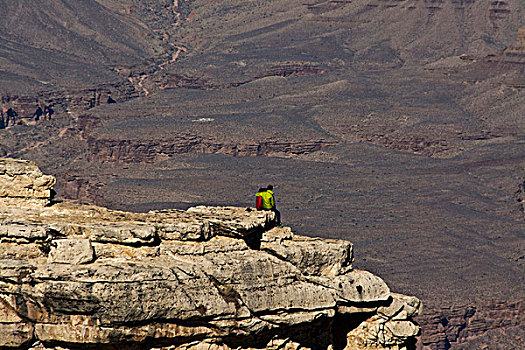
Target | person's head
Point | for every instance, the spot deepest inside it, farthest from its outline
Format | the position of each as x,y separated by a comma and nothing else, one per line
262,189
270,187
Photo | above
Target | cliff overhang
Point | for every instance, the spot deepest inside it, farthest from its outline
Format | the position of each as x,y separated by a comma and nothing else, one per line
77,276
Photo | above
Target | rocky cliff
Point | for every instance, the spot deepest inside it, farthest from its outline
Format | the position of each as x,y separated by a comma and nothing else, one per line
76,277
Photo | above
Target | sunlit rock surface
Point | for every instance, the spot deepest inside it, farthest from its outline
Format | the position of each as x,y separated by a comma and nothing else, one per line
208,277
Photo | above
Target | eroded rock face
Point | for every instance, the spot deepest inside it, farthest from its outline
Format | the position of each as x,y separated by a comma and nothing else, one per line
208,277
22,182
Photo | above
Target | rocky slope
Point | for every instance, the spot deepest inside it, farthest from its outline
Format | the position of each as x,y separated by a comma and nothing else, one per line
209,277
54,45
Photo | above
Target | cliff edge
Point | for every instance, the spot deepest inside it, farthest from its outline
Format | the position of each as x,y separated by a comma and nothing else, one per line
85,277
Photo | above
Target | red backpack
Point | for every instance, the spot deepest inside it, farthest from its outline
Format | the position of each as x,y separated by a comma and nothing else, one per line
258,203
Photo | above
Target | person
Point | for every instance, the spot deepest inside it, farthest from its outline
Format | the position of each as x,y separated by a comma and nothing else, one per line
11,117
269,203
38,113
265,200
48,112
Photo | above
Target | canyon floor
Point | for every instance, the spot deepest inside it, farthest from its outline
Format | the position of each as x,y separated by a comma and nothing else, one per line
396,125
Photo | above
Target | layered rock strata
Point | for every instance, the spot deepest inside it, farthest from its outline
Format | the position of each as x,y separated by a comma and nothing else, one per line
75,276
22,183
148,151
516,52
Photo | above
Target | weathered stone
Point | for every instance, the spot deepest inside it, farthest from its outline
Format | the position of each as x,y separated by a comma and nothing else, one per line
389,327
71,251
175,277
18,251
356,286
16,271
401,307
277,235
313,256
214,344
14,335
297,317
118,251
28,232
82,330
377,333
22,182
235,222
7,312
123,234
182,231
111,232
215,245
14,331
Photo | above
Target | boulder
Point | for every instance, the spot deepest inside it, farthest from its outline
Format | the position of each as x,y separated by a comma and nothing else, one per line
71,251
313,256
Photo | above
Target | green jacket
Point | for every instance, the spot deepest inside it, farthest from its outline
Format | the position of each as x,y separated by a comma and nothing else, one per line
268,199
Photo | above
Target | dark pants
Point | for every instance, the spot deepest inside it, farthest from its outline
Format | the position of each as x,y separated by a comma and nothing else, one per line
277,215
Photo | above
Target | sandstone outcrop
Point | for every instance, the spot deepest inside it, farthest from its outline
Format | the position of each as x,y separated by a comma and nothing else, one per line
75,276
21,182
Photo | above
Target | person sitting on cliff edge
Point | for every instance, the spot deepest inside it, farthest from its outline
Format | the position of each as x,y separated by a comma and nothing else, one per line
265,200
271,195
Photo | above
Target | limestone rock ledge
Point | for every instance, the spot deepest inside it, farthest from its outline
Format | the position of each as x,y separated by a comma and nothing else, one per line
85,277
22,182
